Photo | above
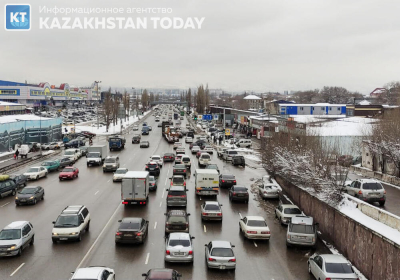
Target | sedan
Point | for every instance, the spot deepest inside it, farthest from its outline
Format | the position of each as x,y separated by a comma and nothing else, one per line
227,180
254,227
177,145
29,195
51,165
328,266
34,173
169,157
208,149
179,169
152,183
119,174
269,190
220,255
162,273
94,273
195,149
239,193
188,140
66,161
144,144
132,230
285,212
211,210
69,173
157,159
178,247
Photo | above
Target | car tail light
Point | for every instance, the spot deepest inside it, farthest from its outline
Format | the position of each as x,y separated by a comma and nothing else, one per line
175,170
147,166
219,214
234,193
211,260
118,233
359,192
184,183
187,224
234,181
190,252
232,260
223,181
205,214
170,196
265,232
139,234
124,202
168,252
327,278
171,183
167,224
251,232
384,192
182,195
142,202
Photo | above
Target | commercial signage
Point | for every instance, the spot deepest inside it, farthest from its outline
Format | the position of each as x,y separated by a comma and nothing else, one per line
14,92
63,92
227,131
216,117
207,117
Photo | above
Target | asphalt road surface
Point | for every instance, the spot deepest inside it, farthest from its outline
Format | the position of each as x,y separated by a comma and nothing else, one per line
95,189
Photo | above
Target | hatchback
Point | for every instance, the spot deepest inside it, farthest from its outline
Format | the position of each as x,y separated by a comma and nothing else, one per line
176,221
153,168
220,255
144,144
211,210
179,169
152,183
94,273
178,180
367,190
169,157
176,196
29,195
178,247
132,230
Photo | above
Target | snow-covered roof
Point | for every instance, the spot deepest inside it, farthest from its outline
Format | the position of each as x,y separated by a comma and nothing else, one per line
315,118
10,104
252,97
364,102
343,127
26,117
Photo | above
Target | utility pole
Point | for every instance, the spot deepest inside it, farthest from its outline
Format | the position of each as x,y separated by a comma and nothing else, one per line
224,125
98,102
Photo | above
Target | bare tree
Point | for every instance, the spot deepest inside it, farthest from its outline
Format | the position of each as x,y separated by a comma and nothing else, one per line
108,108
145,99
126,101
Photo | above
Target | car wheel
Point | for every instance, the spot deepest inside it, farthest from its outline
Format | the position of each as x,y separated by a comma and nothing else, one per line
280,220
54,241
88,226
32,240
309,268
79,238
17,204
60,179
19,252
13,192
37,177
381,203
34,201
43,196
45,174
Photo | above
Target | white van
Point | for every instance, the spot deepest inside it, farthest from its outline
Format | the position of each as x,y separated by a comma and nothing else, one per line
206,182
301,231
73,154
244,143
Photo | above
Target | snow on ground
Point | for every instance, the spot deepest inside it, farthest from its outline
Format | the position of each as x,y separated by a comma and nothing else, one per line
24,117
349,208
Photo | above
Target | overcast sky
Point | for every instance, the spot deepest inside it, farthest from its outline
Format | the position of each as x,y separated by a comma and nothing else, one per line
243,45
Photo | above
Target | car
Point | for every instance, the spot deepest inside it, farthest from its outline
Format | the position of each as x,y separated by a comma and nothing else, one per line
254,227
111,164
132,230
88,133
69,172
50,146
239,193
136,139
329,266
157,159
285,212
220,255
209,149
15,237
29,195
93,273
368,190
179,169
51,165
188,139
179,248
162,273
145,130
73,221
36,172
228,154
135,128
211,210
177,145
169,157
269,188
66,161
180,151
178,159
176,196
204,159
20,180
76,143
178,180
227,180
150,128
212,166
302,231
119,174
73,154
144,144
220,151
238,160
185,159
157,119
152,183
84,150
195,149
153,168
176,221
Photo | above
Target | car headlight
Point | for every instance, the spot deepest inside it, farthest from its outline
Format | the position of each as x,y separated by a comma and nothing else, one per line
12,248
54,233
32,197
73,233
104,165
16,197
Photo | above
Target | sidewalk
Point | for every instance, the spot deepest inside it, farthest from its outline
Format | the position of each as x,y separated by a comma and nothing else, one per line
11,161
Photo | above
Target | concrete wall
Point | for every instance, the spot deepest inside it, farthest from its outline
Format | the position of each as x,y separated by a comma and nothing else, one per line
375,256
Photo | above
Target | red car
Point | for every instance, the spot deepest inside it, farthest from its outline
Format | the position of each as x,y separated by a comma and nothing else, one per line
69,172
88,133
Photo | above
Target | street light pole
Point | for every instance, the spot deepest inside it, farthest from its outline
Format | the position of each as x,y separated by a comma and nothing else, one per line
40,130
224,125
97,107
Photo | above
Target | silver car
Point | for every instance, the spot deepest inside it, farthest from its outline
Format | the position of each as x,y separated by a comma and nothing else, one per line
330,267
211,210
269,188
15,237
220,255
119,174
178,247
367,190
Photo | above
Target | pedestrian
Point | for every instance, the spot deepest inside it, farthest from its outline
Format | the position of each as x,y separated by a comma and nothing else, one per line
16,154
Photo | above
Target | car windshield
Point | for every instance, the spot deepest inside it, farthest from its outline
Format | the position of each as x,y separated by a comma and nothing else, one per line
10,234
27,191
256,223
179,242
67,221
203,156
292,211
372,186
67,170
212,166
93,155
212,207
178,180
196,147
176,193
65,159
133,226
155,158
222,252
177,220
47,163
178,166
338,268
119,171
232,152
69,153
185,159
306,229
239,189
109,160
33,169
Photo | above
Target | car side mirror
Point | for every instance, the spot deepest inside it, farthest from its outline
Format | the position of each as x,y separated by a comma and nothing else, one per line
188,214
206,245
220,205
179,274
119,221
233,246
167,189
144,274
54,222
192,237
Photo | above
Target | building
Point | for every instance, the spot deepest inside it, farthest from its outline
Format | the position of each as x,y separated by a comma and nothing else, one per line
9,108
272,107
378,162
254,102
364,110
312,109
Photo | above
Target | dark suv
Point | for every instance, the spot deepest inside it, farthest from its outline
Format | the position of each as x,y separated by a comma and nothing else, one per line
19,179
8,187
136,139
153,168
176,196
238,160
176,221
74,144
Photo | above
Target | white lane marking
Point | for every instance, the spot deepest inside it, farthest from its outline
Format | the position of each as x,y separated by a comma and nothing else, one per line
163,192
147,258
255,244
205,229
168,173
108,181
96,193
160,203
98,237
240,215
200,197
15,271
5,204
155,225
166,180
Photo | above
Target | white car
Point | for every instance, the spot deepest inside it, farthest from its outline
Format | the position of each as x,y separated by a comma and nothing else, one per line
285,212
254,227
269,188
73,154
179,247
135,128
94,273
157,159
328,266
36,172
119,174
16,237
195,149
188,139
177,145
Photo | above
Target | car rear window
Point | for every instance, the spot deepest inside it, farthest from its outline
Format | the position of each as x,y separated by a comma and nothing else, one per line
179,242
185,159
212,207
109,160
239,189
205,156
176,219
178,180
292,211
134,226
305,229
177,166
222,252
372,186
176,193
228,177
254,223
153,165
338,268
232,153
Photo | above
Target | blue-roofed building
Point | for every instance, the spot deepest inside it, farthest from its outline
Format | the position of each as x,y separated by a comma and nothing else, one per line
312,109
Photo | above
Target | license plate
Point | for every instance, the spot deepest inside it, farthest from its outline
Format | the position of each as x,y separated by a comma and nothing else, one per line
222,267
179,254
301,237
151,169
23,200
240,194
63,238
128,235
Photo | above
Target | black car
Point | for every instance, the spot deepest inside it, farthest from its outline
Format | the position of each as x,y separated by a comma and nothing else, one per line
144,144
176,221
239,193
200,143
74,144
136,139
29,195
8,187
153,168
132,230
19,179
179,169
162,273
66,161
190,133
238,160
169,157
226,180
145,131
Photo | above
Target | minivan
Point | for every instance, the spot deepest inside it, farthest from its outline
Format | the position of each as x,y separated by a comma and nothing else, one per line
111,164
244,143
301,231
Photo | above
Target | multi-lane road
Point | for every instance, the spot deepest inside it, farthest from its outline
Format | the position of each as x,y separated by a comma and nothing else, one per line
95,189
